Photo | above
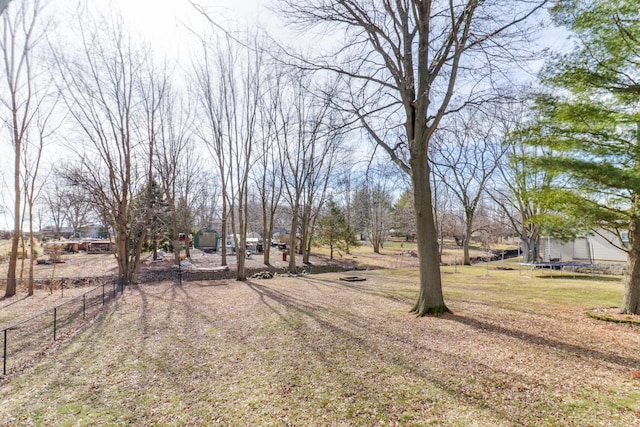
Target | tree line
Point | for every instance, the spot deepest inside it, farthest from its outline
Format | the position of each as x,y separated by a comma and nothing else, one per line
432,89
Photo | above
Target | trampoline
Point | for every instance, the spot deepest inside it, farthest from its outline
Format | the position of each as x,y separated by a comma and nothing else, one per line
557,265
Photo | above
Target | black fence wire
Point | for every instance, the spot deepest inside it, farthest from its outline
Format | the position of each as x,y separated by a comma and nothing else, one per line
29,338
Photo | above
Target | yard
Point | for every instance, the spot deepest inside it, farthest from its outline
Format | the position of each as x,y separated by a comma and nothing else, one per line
518,350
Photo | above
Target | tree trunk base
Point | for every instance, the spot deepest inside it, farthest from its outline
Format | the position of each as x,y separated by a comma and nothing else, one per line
429,311
624,310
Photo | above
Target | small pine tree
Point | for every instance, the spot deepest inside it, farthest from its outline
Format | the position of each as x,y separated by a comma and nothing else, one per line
334,230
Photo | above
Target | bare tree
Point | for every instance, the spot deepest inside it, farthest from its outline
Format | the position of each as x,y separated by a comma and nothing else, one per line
466,155
168,122
309,155
322,173
267,174
359,211
373,203
229,93
209,99
171,159
66,204
189,186
77,209
33,146
379,209
206,206
519,185
346,189
404,217
54,200
101,87
19,37
404,61
243,109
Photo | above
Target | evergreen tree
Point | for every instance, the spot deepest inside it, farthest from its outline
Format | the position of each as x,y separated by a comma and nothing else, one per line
592,123
334,230
403,216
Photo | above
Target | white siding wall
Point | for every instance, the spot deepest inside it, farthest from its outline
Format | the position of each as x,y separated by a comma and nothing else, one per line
582,250
591,249
605,251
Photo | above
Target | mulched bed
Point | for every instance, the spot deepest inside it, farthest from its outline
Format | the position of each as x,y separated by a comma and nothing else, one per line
612,314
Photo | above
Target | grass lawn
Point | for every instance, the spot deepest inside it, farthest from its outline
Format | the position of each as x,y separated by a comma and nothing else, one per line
314,350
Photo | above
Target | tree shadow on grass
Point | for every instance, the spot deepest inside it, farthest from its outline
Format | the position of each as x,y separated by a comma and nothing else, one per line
12,301
353,352
538,340
212,284
363,287
448,372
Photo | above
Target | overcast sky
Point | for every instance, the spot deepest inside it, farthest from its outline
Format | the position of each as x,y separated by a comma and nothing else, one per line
166,25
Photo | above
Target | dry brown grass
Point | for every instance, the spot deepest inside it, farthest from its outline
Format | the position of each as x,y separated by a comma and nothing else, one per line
314,350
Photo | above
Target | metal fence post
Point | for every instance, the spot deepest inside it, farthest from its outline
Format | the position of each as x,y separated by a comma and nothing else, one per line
44,314
4,355
55,321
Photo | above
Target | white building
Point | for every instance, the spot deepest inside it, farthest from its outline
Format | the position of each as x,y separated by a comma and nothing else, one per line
597,247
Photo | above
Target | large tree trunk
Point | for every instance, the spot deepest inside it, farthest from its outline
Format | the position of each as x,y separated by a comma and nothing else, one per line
266,234
292,240
467,239
530,238
530,249
631,299
308,241
430,298
122,254
241,254
175,238
526,250
223,229
127,265
32,245
241,244
17,231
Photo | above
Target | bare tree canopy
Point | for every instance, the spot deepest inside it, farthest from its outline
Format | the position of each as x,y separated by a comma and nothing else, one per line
103,89
20,33
229,91
409,64
309,155
467,153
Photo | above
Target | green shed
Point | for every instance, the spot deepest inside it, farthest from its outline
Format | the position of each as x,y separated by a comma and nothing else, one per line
206,238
